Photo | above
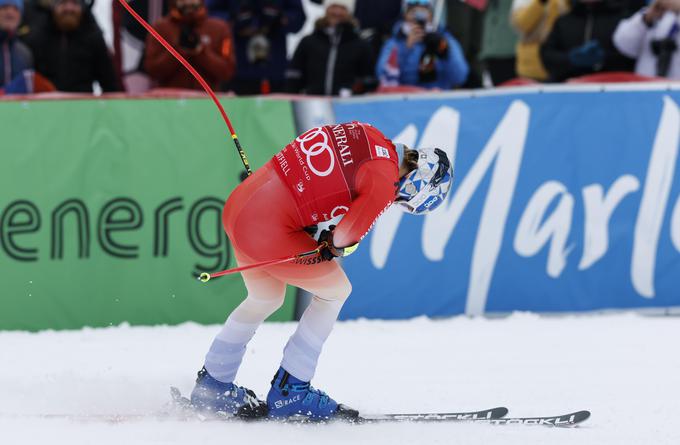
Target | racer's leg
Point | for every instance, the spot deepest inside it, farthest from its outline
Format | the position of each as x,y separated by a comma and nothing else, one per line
330,287
265,295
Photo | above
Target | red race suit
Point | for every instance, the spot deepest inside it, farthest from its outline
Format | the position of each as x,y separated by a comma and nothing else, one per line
348,169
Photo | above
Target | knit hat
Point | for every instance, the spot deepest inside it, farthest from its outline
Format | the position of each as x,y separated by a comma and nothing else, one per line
18,3
349,4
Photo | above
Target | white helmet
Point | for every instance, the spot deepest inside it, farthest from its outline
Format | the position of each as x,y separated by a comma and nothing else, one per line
425,188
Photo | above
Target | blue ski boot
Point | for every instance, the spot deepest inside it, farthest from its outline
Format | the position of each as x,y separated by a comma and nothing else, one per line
291,398
212,396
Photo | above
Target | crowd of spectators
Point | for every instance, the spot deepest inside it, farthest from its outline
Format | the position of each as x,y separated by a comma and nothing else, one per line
355,47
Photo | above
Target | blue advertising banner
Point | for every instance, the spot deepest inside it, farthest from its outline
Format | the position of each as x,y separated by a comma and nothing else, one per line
563,201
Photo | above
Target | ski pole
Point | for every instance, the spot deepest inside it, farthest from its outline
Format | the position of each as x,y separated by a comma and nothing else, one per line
205,277
197,76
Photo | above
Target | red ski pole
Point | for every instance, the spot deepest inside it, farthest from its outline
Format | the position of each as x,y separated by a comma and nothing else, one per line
197,76
205,277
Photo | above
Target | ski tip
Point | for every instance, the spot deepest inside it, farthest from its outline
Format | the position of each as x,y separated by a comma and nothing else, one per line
572,419
580,416
500,411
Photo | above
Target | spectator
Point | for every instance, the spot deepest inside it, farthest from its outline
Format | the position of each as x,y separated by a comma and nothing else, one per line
260,30
499,41
580,42
333,59
465,19
421,54
651,36
376,20
15,57
70,51
205,42
534,19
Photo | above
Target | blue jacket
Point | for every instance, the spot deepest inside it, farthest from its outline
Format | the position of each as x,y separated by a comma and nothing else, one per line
451,71
19,57
251,16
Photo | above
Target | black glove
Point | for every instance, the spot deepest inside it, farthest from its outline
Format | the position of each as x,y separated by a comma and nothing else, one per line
189,38
330,251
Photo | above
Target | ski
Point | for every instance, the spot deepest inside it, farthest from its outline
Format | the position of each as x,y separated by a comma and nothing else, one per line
483,415
565,420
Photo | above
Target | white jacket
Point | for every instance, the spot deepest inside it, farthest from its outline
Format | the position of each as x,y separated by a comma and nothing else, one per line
633,38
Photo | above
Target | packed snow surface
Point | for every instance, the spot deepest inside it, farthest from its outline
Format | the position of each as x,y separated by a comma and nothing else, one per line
624,368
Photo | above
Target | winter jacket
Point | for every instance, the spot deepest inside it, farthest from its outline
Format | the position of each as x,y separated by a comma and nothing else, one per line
72,61
398,60
534,19
634,39
328,61
215,61
247,14
17,54
498,37
574,29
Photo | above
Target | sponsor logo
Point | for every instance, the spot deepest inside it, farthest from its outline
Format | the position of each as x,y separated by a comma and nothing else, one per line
300,187
431,202
283,163
282,403
382,152
342,144
314,144
547,223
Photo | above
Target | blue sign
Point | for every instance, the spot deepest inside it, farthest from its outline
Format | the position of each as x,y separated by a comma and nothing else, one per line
562,201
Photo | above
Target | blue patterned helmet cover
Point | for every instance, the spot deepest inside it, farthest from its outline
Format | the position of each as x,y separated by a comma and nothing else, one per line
425,188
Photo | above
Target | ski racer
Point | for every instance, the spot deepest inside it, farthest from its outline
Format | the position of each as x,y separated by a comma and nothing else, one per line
348,169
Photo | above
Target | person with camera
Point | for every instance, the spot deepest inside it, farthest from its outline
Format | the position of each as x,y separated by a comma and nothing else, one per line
651,36
205,42
421,53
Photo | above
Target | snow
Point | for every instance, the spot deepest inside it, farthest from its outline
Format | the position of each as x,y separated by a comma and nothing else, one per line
625,368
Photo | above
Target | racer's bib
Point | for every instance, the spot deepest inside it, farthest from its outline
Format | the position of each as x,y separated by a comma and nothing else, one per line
320,167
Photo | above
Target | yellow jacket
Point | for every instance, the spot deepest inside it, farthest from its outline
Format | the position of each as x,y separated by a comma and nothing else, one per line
534,20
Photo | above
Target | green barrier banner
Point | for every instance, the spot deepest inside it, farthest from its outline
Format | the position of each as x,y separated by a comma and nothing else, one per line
110,208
